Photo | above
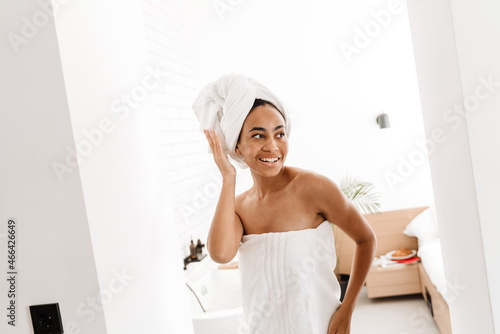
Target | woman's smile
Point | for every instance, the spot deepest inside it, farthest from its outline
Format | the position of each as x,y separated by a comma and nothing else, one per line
270,161
263,143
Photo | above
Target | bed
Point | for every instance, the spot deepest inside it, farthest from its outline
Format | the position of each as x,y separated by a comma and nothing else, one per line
413,228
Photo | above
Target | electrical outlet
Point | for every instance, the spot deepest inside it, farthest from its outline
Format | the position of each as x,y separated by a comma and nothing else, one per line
46,319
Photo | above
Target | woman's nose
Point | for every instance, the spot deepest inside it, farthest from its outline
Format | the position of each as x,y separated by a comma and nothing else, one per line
270,145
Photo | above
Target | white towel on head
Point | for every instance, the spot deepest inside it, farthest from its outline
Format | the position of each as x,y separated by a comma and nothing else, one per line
224,104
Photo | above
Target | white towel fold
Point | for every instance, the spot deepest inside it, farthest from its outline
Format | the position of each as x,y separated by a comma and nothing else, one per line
288,284
224,104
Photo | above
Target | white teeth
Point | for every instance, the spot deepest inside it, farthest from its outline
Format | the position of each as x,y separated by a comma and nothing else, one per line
269,159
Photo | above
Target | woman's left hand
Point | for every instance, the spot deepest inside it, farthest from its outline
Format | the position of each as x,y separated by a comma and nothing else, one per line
340,322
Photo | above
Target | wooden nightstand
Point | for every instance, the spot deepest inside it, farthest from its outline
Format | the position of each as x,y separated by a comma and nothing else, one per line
393,281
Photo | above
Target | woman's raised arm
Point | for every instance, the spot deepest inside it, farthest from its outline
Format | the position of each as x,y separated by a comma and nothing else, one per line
226,229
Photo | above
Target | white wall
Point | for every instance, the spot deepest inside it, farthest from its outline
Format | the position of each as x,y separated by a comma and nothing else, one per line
476,28
106,61
294,48
55,262
454,48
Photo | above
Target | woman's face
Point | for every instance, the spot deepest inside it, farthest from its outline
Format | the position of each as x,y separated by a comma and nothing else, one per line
263,143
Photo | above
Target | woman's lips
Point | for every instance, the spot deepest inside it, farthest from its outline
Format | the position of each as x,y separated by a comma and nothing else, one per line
269,163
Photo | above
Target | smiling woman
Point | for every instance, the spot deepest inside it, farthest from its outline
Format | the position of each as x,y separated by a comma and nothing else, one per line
282,225
255,135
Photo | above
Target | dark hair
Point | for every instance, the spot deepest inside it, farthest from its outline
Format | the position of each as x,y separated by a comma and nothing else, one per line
258,103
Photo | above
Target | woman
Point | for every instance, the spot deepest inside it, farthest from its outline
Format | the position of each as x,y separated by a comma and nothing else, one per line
283,198
282,226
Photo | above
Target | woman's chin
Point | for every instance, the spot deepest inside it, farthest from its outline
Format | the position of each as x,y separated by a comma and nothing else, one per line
267,169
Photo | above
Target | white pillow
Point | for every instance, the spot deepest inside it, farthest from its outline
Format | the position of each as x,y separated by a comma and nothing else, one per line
432,260
423,227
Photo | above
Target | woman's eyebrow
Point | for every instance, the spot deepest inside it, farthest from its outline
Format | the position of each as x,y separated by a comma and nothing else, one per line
257,128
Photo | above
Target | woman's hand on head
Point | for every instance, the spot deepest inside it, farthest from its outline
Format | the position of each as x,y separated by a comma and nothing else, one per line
221,159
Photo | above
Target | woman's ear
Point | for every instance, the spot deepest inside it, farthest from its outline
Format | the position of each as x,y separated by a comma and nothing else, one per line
237,150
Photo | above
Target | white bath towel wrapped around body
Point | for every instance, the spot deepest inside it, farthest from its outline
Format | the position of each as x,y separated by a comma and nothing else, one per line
287,280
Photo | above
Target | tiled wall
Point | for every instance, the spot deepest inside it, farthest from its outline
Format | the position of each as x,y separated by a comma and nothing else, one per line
194,181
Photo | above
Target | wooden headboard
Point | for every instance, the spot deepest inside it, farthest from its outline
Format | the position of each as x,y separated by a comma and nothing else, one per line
388,227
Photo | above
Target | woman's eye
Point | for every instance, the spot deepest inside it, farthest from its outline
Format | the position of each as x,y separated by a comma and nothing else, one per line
281,135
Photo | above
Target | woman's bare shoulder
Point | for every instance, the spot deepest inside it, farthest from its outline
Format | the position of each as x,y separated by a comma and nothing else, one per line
312,183
300,178
304,175
240,200
240,197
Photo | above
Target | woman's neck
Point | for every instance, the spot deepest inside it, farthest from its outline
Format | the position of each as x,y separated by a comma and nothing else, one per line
264,186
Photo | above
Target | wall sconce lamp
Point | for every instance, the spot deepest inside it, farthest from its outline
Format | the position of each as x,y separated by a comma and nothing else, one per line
383,121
